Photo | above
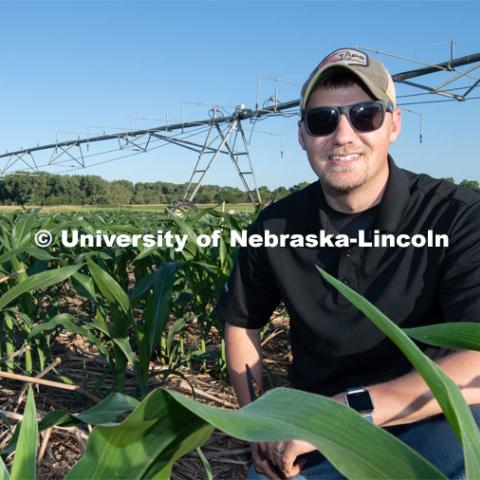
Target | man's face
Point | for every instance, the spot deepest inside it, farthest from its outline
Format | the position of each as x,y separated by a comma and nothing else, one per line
347,160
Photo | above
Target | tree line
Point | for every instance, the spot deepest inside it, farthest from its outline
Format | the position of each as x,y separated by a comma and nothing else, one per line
48,189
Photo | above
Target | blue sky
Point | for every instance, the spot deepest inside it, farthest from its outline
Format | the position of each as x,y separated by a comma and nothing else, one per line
69,66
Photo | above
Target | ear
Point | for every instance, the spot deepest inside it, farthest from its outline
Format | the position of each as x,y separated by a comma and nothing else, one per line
300,135
396,125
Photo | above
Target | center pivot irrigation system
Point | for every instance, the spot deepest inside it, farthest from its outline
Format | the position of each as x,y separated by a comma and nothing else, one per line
223,134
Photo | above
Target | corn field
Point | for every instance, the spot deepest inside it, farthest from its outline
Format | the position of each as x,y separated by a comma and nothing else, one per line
146,315
129,296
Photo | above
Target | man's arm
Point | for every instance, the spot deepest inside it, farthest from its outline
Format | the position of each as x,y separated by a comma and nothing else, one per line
408,399
405,399
243,347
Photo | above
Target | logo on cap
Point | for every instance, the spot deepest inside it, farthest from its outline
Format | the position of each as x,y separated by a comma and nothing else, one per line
351,57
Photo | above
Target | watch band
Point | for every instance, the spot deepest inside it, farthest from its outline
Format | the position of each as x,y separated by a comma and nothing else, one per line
368,417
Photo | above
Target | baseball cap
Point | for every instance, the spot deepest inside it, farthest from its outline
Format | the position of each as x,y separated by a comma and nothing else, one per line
373,75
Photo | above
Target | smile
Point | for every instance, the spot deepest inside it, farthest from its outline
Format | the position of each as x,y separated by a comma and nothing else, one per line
344,158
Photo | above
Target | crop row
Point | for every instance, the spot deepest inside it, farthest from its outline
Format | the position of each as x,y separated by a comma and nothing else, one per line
136,302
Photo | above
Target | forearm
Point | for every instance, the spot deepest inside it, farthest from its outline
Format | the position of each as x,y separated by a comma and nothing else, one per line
243,348
408,399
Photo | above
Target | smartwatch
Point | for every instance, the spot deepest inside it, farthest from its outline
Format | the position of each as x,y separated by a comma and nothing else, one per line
359,399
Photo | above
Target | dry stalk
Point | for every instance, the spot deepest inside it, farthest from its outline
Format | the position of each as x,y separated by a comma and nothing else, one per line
47,369
48,383
270,337
11,415
230,461
81,439
12,275
43,446
224,452
24,349
207,396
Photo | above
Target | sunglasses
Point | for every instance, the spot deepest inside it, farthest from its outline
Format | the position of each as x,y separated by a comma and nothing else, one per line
363,117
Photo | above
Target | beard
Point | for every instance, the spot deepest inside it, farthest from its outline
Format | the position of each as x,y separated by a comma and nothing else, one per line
343,179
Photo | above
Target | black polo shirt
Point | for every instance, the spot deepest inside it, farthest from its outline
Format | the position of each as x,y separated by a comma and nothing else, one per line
334,346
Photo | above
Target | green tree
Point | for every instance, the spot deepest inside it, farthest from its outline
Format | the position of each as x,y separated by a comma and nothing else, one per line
19,188
94,189
298,186
120,192
471,184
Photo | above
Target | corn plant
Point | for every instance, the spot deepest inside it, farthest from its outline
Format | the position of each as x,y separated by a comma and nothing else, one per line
15,261
36,282
132,340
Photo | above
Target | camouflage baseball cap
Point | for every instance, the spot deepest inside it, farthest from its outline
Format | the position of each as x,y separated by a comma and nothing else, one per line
373,75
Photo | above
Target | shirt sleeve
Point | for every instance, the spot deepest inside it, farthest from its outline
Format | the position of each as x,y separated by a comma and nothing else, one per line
250,294
459,288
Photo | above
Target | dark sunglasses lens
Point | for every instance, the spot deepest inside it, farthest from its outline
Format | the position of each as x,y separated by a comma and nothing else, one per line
367,117
321,121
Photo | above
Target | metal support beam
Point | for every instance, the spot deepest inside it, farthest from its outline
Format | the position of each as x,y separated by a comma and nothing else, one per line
448,65
231,127
233,157
228,139
196,168
196,147
471,88
433,90
456,77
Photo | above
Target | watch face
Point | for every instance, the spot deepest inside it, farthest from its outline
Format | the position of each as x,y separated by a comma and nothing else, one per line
360,401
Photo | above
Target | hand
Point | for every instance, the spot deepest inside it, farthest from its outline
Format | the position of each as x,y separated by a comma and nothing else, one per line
262,462
284,455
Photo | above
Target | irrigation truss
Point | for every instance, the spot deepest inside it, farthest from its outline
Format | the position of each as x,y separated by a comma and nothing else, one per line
224,134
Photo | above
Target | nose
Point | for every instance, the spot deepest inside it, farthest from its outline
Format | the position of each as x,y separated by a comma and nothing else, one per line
344,134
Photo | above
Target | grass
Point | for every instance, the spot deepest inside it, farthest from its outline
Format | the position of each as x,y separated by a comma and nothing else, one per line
237,207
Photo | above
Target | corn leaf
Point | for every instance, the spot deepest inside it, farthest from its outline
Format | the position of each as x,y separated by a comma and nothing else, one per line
141,287
65,225
24,464
166,425
64,320
84,286
185,228
39,253
158,432
6,257
106,411
450,335
123,343
3,471
162,293
443,388
144,253
206,463
109,287
39,280
22,228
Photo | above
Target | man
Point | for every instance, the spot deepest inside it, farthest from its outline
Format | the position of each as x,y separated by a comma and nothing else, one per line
349,119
